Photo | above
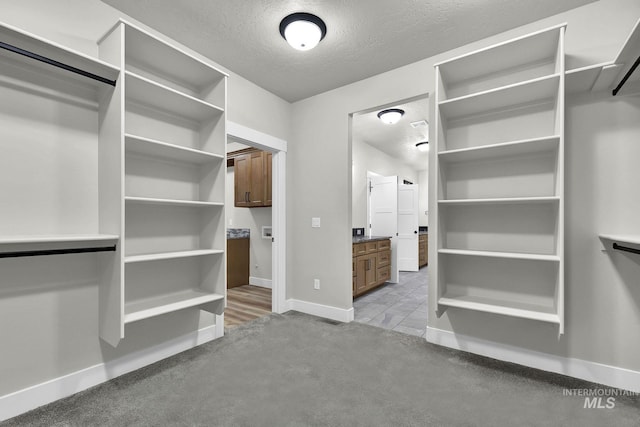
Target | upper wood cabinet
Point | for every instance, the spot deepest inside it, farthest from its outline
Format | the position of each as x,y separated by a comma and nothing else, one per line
252,175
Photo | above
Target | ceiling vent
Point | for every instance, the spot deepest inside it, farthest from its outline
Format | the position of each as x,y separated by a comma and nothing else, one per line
418,124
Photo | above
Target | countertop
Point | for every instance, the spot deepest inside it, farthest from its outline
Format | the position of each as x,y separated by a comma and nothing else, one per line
237,233
363,239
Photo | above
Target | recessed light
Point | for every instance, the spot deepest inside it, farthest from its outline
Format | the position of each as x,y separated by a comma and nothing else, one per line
303,31
390,116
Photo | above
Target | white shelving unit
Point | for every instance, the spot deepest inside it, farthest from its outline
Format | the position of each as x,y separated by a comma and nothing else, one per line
500,179
170,160
47,158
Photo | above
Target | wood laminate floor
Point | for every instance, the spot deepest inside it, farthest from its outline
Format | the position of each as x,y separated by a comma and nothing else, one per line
246,303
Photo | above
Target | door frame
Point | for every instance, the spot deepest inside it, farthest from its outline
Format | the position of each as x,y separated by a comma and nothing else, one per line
245,135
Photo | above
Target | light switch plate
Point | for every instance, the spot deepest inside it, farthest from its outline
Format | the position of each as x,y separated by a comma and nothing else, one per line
315,222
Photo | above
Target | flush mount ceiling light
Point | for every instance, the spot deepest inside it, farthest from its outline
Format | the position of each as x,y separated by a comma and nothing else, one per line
390,116
303,31
423,146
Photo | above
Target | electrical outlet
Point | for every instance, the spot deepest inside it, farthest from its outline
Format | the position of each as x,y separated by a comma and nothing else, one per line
315,222
316,283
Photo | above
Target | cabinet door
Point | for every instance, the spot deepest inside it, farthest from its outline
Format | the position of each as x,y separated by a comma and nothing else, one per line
268,179
366,273
361,275
242,178
371,277
256,179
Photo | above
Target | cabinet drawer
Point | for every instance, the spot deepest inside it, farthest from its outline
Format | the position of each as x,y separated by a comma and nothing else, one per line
384,258
359,249
371,247
383,245
384,274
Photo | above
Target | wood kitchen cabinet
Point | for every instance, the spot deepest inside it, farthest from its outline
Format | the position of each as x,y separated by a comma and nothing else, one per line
371,265
423,250
252,175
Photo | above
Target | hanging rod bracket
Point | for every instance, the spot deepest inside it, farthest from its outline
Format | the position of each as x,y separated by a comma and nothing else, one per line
55,63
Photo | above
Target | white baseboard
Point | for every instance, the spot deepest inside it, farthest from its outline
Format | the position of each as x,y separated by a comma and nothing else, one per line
259,281
326,311
612,376
24,400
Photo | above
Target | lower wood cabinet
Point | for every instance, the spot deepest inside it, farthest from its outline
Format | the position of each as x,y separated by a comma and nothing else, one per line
371,265
423,250
237,262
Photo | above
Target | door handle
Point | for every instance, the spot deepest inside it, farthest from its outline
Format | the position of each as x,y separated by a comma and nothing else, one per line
415,232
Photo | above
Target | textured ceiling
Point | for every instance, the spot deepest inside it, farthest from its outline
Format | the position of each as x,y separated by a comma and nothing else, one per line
364,37
398,140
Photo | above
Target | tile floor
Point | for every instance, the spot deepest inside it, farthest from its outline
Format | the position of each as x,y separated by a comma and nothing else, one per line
399,306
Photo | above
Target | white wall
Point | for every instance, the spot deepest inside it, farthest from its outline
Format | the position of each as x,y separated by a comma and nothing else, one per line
51,329
367,158
597,330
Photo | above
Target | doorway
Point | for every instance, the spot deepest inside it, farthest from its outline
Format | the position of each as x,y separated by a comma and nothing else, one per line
273,234
387,155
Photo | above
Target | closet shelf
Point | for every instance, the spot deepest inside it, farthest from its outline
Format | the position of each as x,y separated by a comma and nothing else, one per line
621,242
172,62
171,255
57,54
147,92
173,202
165,150
506,308
509,255
591,78
157,305
59,238
628,76
498,201
538,47
523,93
506,149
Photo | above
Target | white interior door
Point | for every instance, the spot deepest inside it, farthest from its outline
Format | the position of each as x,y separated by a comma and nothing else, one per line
408,211
384,215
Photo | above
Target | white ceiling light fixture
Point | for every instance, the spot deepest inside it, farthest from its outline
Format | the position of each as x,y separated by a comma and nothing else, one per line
423,146
303,31
390,116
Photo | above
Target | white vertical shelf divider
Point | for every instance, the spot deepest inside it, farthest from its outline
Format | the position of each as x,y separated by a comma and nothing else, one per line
499,147
164,181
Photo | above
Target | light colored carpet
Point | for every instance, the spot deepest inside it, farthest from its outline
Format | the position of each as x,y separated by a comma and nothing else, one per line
299,370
